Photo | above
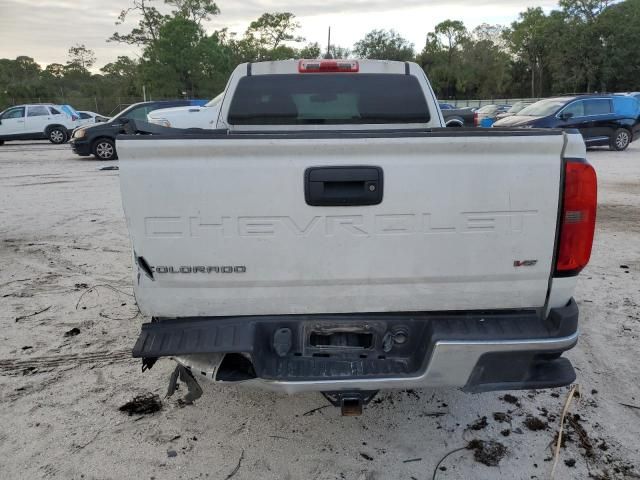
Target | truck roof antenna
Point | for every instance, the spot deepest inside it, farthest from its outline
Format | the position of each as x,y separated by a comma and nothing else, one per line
328,56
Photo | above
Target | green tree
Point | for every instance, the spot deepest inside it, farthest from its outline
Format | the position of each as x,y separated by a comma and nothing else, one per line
384,45
526,40
484,69
123,67
172,62
585,10
217,62
271,30
149,23
55,70
619,27
337,51
312,50
450,34
197,11
268,38
81,58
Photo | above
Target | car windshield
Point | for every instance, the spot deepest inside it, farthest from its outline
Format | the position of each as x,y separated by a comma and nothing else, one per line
215,101
136,112
544,108
517,107
123,113
488,109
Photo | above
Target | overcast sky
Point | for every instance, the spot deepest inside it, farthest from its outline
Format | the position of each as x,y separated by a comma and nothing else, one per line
45,29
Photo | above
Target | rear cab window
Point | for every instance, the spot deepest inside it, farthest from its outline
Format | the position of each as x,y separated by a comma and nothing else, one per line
328,99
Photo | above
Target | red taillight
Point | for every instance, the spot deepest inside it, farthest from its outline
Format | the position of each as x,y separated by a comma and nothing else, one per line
578,218
324,66
475,119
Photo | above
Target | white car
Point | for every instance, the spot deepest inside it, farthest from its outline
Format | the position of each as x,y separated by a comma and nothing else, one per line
188,117
330,235
36,121
89,118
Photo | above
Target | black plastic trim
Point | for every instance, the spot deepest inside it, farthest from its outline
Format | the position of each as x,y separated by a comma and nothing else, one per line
343,185
302,361
137,130
519,371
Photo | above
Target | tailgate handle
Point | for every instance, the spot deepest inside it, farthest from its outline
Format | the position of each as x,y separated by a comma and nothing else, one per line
343,186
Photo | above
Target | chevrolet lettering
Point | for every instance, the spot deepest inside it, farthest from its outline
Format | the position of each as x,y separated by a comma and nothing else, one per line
506,221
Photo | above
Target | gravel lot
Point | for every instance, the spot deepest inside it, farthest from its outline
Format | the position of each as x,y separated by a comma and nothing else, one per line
62,231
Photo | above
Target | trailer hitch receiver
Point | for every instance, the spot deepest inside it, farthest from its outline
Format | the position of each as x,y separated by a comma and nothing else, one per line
350,402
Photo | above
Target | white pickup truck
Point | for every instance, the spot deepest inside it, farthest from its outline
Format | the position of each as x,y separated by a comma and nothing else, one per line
329,235
193,116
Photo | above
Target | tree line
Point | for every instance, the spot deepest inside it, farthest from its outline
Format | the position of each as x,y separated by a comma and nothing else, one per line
582,46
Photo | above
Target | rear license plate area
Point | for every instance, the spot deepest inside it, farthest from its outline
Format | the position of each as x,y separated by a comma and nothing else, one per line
352,340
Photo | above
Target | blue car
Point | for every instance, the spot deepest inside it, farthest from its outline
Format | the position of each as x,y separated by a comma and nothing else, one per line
603,120
487,115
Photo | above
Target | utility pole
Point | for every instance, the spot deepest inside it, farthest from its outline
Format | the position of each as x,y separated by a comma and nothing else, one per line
144,93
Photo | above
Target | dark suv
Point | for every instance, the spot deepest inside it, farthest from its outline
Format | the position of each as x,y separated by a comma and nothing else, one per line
100,139
612,120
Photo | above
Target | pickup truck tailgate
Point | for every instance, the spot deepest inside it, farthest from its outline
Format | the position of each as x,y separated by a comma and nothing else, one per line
220,225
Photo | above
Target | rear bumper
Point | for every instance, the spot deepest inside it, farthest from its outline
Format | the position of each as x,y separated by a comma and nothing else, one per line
473,351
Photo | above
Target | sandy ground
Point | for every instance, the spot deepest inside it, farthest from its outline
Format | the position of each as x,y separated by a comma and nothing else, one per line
62,231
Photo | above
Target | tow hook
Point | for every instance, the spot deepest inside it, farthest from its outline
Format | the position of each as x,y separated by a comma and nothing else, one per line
350,402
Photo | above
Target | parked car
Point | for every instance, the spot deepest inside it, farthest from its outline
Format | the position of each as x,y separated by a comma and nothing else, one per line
89,118
458,117
611,120
516,107
99,139
486,116
188,117
328,236
36,121
446,106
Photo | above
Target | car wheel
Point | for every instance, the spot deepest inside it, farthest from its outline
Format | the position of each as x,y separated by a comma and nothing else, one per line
105,149
57,135
620,140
